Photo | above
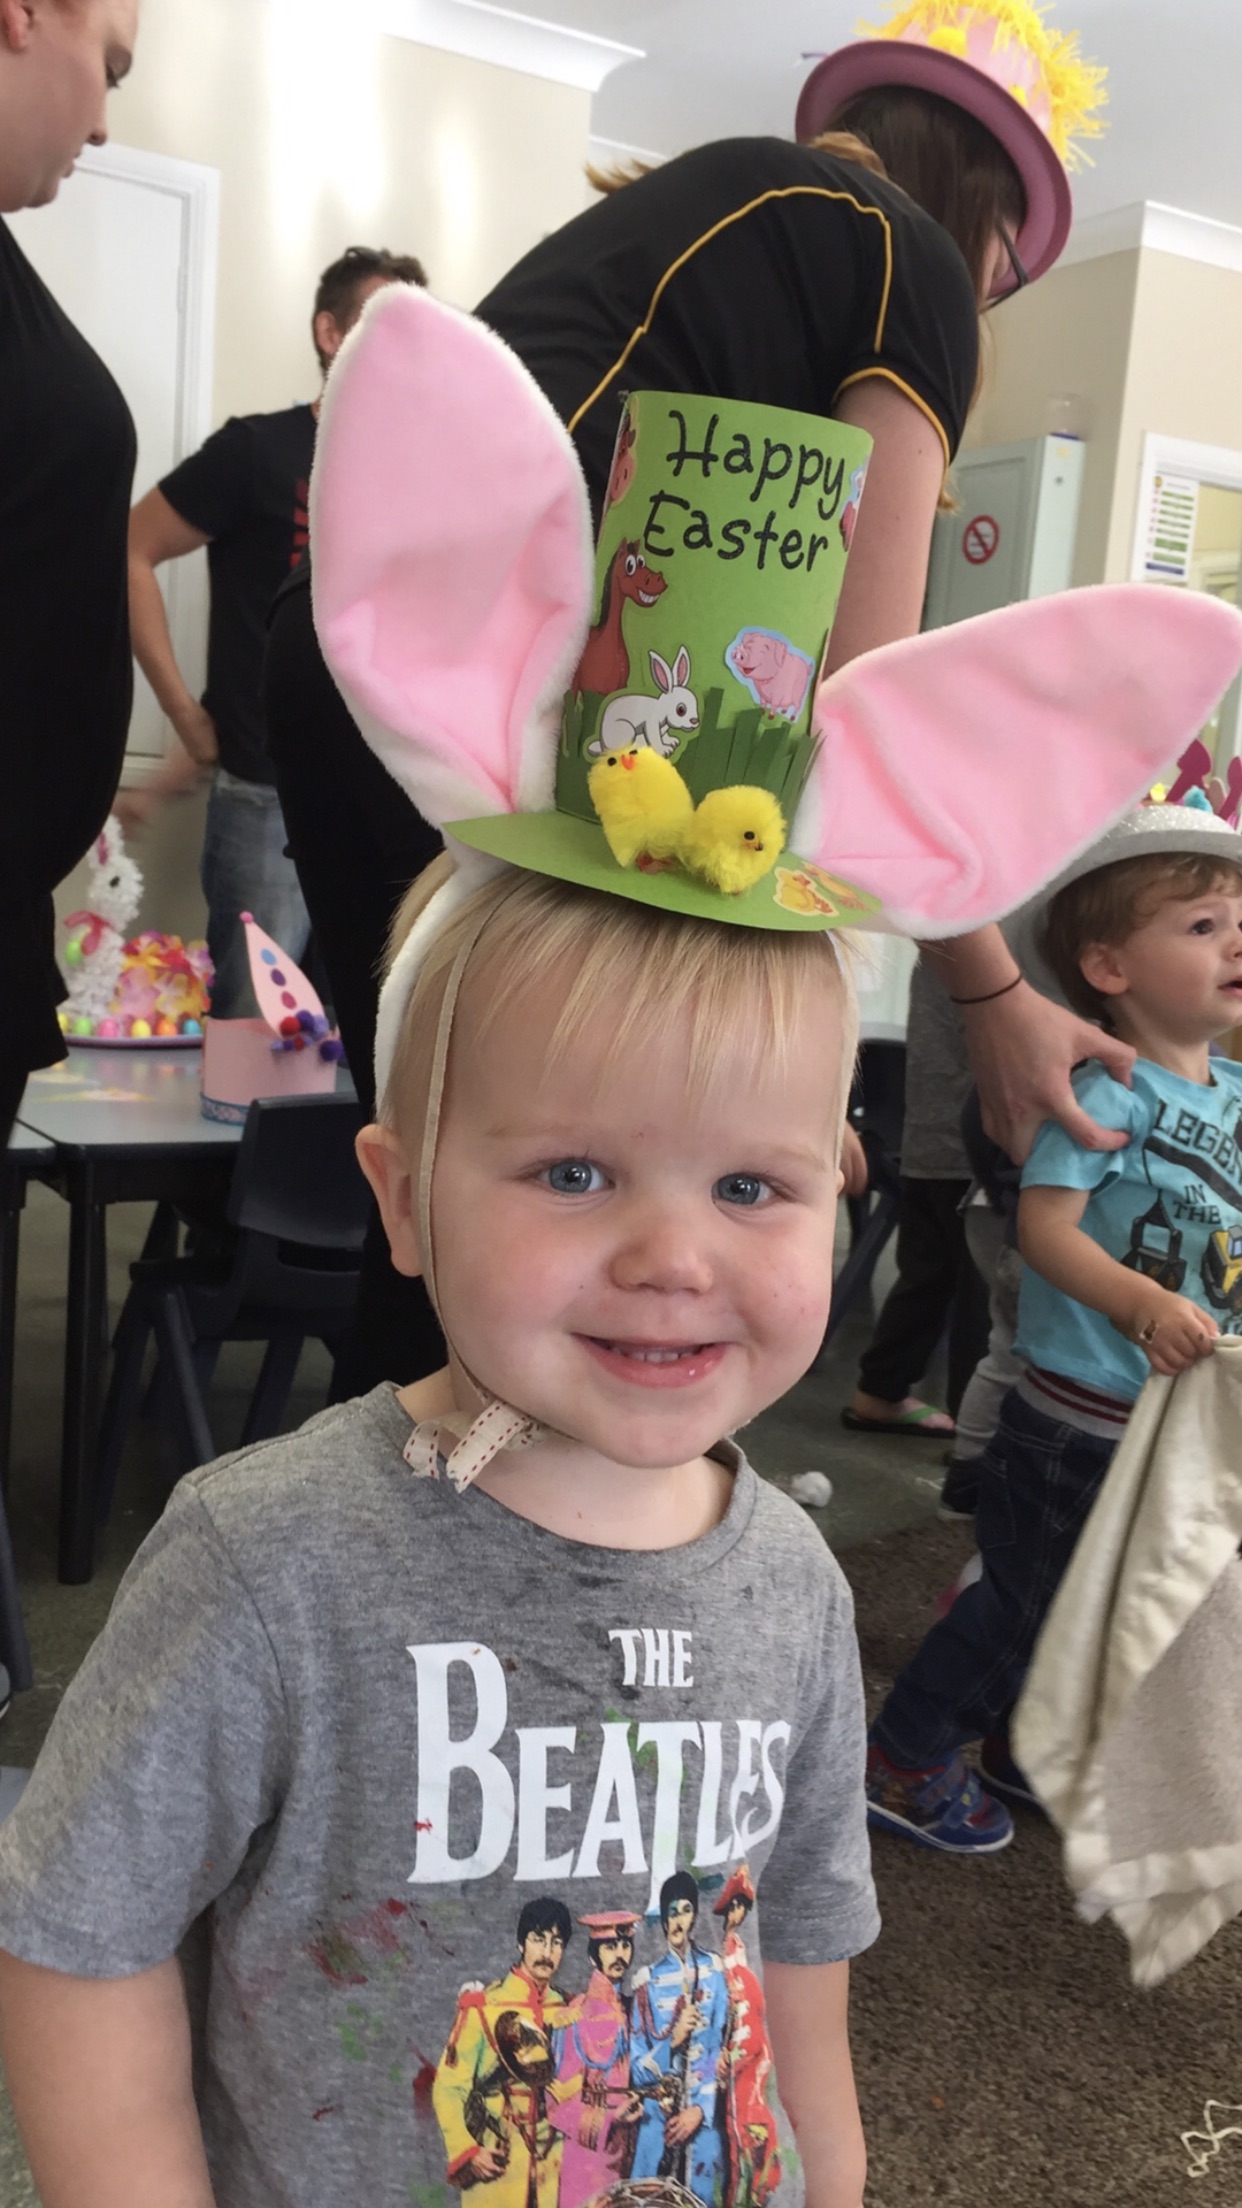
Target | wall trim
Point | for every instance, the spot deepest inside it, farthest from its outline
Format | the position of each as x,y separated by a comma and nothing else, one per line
483,32
1147,226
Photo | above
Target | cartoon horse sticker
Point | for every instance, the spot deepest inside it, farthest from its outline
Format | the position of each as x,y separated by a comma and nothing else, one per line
605,662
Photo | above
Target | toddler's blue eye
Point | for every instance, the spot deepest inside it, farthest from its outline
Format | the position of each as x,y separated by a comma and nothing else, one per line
574,1177
740,1188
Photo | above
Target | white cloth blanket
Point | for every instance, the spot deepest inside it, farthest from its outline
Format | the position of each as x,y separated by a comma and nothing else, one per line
1130,1725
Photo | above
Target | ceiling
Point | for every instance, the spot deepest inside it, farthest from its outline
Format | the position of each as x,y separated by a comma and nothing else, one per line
721,68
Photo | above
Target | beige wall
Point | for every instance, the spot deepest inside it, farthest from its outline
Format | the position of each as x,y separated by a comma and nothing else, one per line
1067,337
1184,378
1138,341
324,142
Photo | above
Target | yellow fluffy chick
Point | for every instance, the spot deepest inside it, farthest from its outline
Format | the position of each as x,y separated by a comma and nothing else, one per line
644,806
734,837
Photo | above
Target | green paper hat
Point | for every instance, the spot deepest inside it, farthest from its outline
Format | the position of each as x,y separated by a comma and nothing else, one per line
717,573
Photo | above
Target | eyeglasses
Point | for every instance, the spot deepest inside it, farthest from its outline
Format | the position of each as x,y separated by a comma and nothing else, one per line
1018,278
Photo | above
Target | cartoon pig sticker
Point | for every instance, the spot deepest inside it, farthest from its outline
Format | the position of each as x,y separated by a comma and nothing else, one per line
774,671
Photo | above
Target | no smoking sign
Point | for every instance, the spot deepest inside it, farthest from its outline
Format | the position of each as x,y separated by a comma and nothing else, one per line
980,538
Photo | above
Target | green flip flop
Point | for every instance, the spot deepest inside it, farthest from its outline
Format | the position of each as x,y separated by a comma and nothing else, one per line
916,1422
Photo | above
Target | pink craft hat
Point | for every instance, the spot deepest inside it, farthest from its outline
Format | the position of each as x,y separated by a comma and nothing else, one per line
998,60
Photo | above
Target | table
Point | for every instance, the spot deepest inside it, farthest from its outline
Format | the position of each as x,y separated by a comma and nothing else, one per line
124,1127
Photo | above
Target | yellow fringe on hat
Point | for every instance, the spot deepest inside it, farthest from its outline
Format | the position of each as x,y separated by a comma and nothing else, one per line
1075,88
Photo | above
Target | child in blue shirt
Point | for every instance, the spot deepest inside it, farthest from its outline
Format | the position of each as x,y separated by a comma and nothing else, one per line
1133,1264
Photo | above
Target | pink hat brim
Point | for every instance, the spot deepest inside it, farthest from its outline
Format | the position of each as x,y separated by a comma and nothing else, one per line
872,62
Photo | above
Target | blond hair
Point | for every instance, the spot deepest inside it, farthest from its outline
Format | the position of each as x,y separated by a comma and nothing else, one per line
658,974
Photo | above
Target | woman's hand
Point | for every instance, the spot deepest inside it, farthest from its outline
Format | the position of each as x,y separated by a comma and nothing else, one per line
1022,1048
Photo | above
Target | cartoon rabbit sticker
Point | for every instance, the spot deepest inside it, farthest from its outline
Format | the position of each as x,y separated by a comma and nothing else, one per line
660,722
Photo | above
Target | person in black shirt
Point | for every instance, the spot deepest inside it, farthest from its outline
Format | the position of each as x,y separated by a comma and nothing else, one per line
243,495
844,275
66,465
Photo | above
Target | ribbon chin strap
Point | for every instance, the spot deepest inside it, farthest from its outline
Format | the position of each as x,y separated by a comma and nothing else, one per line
456,1447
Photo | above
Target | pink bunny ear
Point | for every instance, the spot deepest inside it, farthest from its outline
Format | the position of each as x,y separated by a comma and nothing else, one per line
960,770
452,557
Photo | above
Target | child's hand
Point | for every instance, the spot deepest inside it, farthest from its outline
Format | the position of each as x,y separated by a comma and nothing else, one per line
1173,1332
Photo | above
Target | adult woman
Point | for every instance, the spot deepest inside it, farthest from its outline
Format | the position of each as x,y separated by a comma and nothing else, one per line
66,465
844,276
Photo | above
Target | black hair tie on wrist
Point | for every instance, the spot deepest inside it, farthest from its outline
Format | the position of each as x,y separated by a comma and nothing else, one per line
990,995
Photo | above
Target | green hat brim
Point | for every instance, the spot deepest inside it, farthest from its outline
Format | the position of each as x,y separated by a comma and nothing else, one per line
573,850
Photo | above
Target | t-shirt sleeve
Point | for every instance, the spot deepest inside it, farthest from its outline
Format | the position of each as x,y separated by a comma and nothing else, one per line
214,489
166,1758
923,332
816,1897
1058,1161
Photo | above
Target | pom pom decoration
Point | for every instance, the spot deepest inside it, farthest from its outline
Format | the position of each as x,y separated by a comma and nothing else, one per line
812,1488
1050,75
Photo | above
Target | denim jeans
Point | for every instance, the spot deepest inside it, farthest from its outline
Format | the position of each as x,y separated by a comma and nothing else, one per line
244,869
1037,1483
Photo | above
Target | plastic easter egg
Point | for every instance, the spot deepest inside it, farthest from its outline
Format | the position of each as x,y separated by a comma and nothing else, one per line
140,1030
81,1025
108,1030
72,952
165,1026
191,1027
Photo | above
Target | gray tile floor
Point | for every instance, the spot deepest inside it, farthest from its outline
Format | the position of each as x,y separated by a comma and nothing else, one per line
878,1486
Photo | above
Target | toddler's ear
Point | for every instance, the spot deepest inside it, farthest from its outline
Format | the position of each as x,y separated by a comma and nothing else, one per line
394,1184
1102,968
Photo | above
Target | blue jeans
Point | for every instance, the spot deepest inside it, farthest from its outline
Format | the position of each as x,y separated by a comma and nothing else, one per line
1037,1483
244,869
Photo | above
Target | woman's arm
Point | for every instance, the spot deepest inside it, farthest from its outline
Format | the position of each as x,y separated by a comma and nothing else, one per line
808,2023
1023,1047
1054,1245
886,573
99,2071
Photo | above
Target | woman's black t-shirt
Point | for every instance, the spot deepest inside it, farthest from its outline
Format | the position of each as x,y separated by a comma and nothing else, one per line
66,678
751,269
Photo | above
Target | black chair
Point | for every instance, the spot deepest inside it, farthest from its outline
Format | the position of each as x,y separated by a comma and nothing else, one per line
299,1205
877,1110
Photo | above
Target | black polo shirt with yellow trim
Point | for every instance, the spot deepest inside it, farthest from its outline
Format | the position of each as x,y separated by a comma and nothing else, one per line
750,269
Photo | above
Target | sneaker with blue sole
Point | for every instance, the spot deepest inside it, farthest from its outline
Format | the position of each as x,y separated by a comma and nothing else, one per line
944,1807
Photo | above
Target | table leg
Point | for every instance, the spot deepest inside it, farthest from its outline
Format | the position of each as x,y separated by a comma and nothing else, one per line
84,1356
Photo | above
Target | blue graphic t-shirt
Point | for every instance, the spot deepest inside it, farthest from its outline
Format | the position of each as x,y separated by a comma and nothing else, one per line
1169,1206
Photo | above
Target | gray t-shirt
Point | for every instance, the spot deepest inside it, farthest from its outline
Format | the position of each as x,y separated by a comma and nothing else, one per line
397,1744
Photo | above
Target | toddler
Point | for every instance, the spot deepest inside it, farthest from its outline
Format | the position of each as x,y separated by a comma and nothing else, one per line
455,1724
1133,1263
